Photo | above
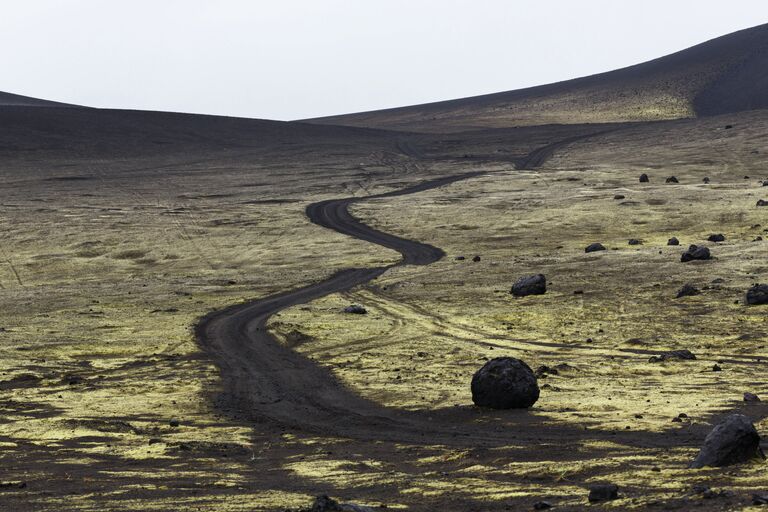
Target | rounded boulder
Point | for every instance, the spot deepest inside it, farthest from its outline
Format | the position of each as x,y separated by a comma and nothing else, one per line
505,383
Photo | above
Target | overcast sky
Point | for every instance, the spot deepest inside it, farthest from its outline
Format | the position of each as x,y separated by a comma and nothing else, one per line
290,59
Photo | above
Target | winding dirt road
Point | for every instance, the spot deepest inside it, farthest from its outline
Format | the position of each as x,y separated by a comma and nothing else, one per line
263,380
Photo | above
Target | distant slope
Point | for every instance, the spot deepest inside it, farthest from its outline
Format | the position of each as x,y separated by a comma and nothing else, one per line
8,99
726,74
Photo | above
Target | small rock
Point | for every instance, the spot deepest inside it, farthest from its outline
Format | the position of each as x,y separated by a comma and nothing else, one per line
644,178
762,202
355,309
476,259
618,196
603,492
751,397
728,126
760,499
505,383
716,368
672,179
578,292
635,241
529,285
174,422
460,258
594,247
732,441
705,180
687,290
716,238
757,295
684,355
325,504
673,241
695,252
543,371
542,505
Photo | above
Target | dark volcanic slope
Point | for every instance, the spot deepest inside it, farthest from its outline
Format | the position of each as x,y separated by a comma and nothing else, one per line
8,99
727,74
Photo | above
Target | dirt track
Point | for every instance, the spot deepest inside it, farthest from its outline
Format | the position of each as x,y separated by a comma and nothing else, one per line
265,380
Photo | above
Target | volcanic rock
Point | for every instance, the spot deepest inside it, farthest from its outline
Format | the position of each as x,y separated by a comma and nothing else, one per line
644,178
716,238
594,247
732,441
529,285
603,492
672,179
687,291
505,383
673,241
695,252
355,309
757,295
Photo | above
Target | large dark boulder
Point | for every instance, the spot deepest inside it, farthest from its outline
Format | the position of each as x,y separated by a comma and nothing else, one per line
757,295
695,252
732,441
594,247
505,383
530,285
603,492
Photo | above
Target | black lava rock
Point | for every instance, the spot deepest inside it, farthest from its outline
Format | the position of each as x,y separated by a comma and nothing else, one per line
685,355
529,285
705,180
751,397
542,505
594,247
687,290
672,179
716,237
325,504
644,178
603,492
732,441
673,241
757,295
635,241
174,422
355,310
476,259
762,202
505,383
619,196
695,252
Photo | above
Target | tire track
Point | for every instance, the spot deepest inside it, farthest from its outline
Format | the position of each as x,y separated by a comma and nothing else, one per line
264,380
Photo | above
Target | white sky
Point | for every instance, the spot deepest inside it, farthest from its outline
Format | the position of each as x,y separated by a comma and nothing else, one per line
289,59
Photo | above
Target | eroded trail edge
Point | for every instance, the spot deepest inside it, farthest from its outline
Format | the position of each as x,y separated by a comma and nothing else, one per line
263,380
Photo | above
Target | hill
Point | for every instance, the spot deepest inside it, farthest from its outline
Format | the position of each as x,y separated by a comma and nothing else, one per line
16,100
724,75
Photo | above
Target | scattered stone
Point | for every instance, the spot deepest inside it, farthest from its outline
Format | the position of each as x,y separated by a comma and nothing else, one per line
603,492
460,258
765,183
476,259
529,285
757,295
174,422
325,504
355,309
695,252
543,371
542,505
672,179
594,247
578,292
505,383
751,397
635,241
619,196
732,441
716,368
644,178
684,355
716,237
728,126
673,241
687,290
762,202
705,180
